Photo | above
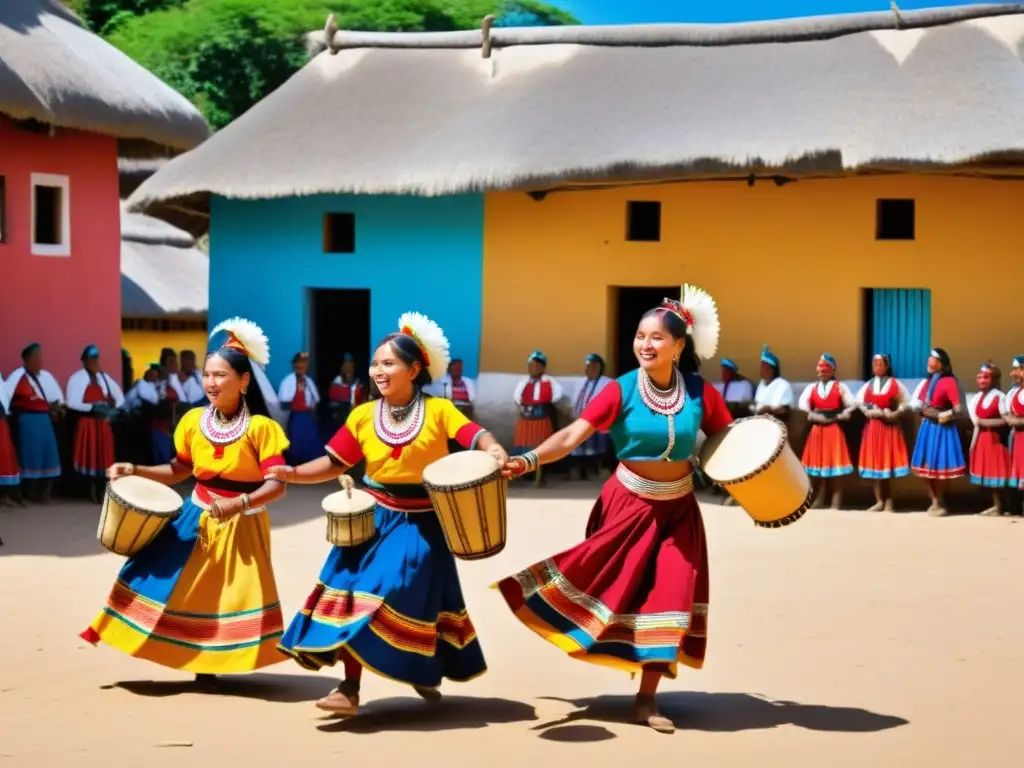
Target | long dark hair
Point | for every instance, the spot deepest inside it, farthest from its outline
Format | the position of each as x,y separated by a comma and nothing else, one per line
239,362
408,351
688,360
943,357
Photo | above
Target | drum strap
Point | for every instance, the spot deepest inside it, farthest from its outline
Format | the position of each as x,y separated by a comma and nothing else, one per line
651,489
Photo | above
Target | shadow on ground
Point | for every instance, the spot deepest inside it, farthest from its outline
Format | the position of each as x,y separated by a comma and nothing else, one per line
282,689
715,713
453,713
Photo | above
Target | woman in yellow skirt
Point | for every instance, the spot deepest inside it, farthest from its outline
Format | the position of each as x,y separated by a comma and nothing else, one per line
202,596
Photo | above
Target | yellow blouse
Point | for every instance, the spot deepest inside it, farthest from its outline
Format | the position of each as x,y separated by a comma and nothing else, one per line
245,460
442,422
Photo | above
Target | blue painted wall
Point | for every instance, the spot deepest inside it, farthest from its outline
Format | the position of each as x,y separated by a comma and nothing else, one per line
653,11
414,254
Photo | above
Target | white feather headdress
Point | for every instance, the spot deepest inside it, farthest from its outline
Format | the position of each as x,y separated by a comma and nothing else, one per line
698,311
247,336
431,340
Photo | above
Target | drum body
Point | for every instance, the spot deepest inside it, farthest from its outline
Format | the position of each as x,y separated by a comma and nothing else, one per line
135,510
753,461
470,497
350,517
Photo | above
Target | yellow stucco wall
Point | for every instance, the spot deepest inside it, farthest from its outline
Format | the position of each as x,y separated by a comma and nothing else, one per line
145,346
787,266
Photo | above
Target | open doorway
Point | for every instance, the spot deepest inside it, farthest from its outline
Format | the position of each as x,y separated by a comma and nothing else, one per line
339,322
630,305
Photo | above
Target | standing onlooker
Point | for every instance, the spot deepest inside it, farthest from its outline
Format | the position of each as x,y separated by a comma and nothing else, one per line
299,397
989,458
883,451
737,391
938,453
536,396
774,395
10,474
590,453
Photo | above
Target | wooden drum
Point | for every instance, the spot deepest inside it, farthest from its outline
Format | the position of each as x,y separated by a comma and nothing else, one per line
135,510
470,497
753,461
350,517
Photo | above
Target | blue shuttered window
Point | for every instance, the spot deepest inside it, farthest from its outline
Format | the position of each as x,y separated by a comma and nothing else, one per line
901,326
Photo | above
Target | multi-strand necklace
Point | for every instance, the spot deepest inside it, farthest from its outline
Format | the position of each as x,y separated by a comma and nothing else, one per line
397,427
664,402
224,431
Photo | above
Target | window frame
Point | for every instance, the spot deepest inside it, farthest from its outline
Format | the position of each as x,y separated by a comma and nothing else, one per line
63,183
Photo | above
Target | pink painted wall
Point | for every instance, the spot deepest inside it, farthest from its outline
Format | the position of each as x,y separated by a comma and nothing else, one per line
64,303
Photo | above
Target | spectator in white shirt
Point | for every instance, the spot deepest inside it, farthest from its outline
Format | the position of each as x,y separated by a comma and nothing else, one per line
774,395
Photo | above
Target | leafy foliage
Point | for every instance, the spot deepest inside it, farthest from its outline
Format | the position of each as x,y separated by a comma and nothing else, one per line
226,55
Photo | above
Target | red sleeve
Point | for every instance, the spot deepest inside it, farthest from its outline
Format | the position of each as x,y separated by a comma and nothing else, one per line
273,461
716,415
952,391
468,434
603,410
345,448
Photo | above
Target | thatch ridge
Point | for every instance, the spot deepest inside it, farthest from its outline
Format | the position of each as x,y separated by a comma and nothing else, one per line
163,274
418,120
54,71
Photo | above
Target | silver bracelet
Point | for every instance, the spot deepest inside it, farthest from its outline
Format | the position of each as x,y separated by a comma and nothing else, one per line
532,462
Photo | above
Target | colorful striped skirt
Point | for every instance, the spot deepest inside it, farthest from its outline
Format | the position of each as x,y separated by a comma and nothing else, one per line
883,452
990,460
825,452
938,452
10,474
37,446
304,435
634,593
394,604
530,433
94,446
1017,459
201,597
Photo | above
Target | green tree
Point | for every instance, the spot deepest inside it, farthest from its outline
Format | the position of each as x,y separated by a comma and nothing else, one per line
103,16
226,55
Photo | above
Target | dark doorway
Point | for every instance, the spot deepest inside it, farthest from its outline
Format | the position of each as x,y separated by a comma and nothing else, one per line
339,322
630,305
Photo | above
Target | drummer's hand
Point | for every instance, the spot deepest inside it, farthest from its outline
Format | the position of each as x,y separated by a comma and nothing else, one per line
499,454
282,473
224,509
513,468
347,483
121,469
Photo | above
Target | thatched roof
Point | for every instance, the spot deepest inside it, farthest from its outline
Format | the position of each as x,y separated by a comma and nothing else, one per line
54,71
429,114
163,274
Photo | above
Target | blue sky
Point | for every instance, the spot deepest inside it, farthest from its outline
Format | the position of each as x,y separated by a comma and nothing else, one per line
639,11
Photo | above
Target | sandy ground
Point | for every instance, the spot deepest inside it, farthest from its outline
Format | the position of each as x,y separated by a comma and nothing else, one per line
848,639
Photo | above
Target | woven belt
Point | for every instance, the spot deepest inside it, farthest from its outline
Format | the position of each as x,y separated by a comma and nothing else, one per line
651,489
206,507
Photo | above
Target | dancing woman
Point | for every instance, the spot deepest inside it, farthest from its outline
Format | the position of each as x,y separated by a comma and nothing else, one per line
94,397
590,453
393,604
826,455
989,457
883,451
202,596
634,594
938,453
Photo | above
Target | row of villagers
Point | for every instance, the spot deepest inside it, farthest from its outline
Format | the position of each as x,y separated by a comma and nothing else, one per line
845,184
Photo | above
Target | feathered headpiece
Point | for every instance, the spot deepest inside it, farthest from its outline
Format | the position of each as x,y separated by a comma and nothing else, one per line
698,311
246,336
430,339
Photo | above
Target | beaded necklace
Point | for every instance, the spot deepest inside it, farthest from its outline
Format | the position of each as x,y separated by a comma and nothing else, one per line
663,402
397,427
220,431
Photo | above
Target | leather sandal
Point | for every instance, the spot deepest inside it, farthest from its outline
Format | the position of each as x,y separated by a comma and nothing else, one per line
646,713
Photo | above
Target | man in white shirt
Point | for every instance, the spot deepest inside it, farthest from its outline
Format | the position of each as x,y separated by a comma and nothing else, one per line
774,395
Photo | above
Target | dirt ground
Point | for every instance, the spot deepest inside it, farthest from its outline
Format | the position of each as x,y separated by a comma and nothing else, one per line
848,639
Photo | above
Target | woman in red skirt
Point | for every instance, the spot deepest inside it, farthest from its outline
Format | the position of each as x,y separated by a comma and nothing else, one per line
826,456
94,397
634,594
989,457
10,473
536,397
1013,413
883,450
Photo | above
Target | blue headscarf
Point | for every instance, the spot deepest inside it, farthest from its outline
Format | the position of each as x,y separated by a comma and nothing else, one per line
770,358
91,351
727,363
1018,362
539,356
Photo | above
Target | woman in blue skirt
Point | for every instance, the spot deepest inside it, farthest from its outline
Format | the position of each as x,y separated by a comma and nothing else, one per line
300,397
938,453
393,604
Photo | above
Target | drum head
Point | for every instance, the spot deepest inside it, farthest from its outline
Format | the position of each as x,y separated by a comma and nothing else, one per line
743,447
149,495
341,503
460,468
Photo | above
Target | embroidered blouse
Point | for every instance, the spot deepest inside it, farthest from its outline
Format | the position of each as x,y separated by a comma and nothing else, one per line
247,460
386,465
986,405
830,395
883,392
639,434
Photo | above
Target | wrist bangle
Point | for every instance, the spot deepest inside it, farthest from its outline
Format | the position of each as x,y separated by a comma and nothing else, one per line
245,502
531,461
131,469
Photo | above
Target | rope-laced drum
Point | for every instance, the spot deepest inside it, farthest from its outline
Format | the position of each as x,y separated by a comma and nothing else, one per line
135,510
350,517
753,461
470,497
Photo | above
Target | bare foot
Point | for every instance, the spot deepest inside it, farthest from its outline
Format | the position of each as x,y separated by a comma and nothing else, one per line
646,713
837,500
992,512
937,510
338,703
878,506
432,695
889,506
